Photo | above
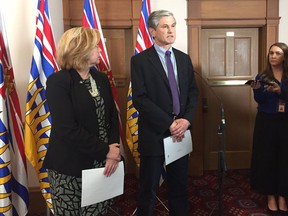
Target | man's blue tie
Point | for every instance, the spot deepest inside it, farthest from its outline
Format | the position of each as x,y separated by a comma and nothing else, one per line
173,83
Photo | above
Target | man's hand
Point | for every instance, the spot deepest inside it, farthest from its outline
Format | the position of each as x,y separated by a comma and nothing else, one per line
178,128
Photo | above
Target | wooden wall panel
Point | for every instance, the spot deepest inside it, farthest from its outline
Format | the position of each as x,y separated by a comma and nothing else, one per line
244,9
113,13
37,204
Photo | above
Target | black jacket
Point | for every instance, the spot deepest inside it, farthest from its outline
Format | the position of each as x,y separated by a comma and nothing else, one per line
73,143
153,99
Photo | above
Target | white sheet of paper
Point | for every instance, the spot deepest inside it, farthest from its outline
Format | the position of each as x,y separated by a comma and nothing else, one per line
96,187
175,150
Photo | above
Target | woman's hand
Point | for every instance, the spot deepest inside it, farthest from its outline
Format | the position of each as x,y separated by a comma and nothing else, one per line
112,159
274,88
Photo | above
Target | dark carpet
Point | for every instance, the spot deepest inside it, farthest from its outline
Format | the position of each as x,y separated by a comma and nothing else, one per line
237,198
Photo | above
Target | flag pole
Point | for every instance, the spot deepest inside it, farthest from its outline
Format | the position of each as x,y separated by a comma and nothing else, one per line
161,202
47,211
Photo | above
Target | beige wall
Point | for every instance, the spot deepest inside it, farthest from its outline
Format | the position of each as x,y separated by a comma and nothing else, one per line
20,21
20,17
283,30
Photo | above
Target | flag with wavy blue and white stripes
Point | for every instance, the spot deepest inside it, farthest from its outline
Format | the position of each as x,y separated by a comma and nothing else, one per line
144,41
91,20
14,197
37,117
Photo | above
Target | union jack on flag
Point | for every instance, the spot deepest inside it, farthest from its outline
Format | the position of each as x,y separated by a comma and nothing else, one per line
144,41
37,117
91,20
14,197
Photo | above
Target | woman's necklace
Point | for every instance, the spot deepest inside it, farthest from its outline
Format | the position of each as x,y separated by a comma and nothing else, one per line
94,90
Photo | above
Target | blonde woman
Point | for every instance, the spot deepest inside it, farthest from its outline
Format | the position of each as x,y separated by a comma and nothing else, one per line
84,130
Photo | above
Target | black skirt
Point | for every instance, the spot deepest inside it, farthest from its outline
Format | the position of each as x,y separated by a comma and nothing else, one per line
269,165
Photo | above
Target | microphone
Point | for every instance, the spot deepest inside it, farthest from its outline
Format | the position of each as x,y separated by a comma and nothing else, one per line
222,116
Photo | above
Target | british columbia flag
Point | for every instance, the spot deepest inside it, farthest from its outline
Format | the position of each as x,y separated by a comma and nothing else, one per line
37,117
14,197
144,41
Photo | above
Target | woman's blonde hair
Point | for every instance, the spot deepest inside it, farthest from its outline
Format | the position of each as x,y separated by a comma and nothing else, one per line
75,46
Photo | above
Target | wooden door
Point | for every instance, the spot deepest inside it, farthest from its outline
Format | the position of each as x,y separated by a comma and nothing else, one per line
229,58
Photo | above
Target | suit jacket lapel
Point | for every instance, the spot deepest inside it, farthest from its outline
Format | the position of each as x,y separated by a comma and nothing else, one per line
155,61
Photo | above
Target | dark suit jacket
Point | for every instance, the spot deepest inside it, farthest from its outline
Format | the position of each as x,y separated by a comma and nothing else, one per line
153,100
73,143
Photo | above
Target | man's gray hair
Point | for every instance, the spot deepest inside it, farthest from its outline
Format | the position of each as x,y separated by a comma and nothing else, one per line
155,16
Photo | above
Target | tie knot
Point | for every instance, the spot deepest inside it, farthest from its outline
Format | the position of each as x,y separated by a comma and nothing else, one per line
168,53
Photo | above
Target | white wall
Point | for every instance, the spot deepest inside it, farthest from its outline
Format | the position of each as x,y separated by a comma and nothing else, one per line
20,19
283,30
20,22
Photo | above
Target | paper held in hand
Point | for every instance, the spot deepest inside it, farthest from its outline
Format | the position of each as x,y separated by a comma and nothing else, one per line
96,187
175,150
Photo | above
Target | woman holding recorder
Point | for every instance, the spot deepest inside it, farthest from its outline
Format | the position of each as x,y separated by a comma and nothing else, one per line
269,166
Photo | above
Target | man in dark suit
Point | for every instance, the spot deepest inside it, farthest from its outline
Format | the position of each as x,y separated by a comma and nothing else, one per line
155,100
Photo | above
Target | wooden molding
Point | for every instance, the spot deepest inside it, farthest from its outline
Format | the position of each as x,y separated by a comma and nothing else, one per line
37,204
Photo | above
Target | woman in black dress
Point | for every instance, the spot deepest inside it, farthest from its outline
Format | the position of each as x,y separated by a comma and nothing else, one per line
269,168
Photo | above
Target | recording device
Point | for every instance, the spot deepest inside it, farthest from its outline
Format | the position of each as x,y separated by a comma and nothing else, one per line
249,82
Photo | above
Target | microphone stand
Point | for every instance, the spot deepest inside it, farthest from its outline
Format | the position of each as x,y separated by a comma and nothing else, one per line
221,148
221,160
